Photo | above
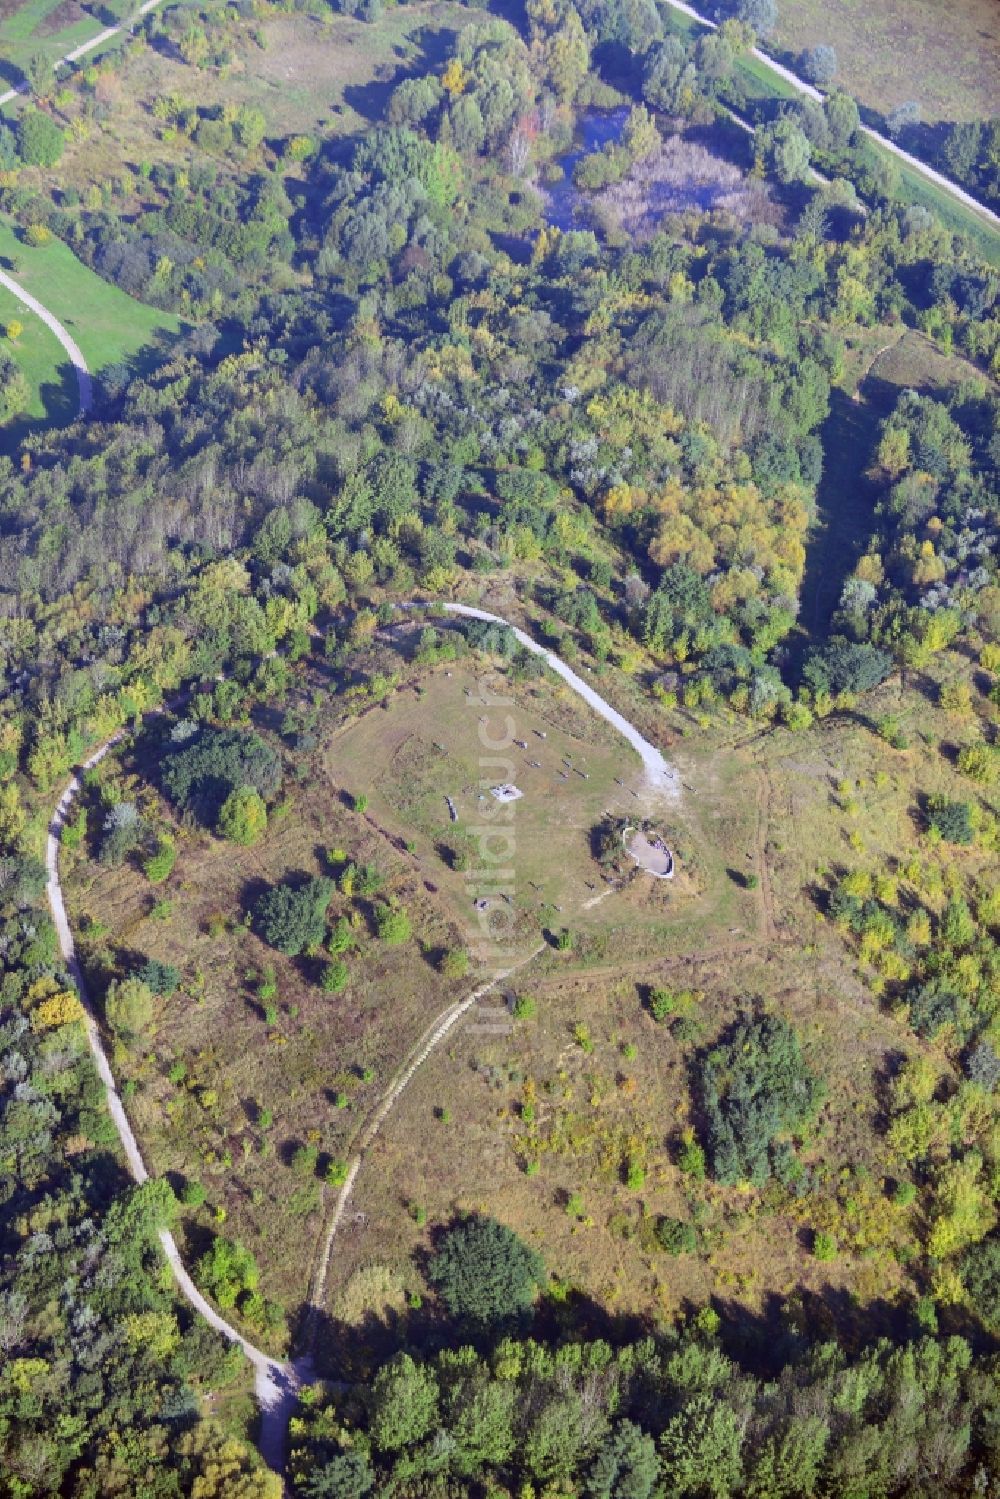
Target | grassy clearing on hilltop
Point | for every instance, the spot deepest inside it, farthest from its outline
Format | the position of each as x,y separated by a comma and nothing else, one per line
571,1125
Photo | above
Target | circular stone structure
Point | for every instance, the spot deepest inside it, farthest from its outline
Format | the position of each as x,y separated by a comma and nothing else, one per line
650,853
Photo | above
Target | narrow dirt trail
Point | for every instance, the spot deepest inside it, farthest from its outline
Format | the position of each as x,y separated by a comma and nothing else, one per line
428,1042
660,774
662,778
276,1383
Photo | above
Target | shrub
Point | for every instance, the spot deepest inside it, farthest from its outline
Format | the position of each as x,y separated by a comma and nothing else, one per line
933,1005
337,1173
892,732
243,816
40,142
128,1006
486,1276
635,1175
226,1271
160,864
193,1194
160,978
981,762
846,666
676,1236
525,1007
755,1086
824,1246
304,1160
691,1157
455,963
335,978
819,65
393,925
120,834
291,917
953,821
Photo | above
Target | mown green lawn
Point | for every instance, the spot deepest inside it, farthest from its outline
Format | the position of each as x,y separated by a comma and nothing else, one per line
108,325
50,376
23,32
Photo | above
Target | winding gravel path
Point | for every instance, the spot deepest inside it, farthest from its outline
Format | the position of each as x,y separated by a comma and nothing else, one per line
802,87
83,380
660,775
276,1384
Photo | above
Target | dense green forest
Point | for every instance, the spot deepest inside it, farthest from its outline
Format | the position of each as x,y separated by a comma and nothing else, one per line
400,379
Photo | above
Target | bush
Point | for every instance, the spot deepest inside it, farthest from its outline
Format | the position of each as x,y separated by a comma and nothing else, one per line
159,978
393,925
892,732
824,1246
635,1175
40,142
128,1007
691,1157
291,917
243,816
755,1087
525,1007
953,821
203,770
846,666
160,864
455,963
676,1236
304,1160
981,762
336,977
819,65
226,1271
120,834
486,1276
193,1194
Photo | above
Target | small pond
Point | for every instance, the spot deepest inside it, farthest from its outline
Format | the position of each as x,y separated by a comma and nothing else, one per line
595,128
686,173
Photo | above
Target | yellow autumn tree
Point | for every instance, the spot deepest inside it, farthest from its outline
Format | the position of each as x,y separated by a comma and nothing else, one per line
454,79
61,1008
225,1467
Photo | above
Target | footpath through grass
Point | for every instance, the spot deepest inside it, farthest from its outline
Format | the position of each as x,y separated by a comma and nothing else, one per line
109,326
53,392
33,28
